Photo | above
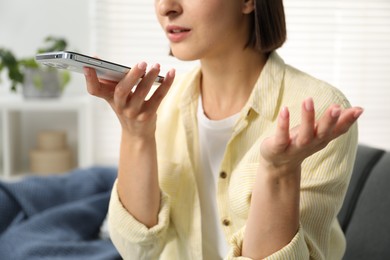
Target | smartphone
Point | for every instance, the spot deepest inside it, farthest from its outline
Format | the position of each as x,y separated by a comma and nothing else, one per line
74,61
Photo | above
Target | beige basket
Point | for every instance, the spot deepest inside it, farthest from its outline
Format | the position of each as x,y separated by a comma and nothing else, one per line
52,154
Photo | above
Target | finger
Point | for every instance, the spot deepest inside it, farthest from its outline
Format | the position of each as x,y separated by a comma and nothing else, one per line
134,75
93,84
328,122
124,87
144,87
347,118
108,82
96,87
306,129
161,91
282,133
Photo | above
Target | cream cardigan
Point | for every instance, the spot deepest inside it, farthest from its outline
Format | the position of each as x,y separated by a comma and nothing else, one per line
325,175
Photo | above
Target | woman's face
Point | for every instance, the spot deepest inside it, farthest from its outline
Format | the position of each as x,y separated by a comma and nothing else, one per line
201,29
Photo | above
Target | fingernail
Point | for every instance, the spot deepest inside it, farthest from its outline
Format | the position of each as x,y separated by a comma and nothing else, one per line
284,113
358,113
142,65
172,72
156,66
336,112
86,71
309,104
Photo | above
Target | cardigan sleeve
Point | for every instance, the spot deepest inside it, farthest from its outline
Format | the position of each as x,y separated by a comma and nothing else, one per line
132,239
296,249
324,181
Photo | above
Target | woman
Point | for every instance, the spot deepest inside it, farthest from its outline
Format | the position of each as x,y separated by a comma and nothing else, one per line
245,157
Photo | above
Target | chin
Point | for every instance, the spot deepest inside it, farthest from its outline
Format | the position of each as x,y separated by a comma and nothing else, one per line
183,54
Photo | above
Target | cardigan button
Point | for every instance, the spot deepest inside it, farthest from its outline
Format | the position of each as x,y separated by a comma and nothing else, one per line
226,222
223,175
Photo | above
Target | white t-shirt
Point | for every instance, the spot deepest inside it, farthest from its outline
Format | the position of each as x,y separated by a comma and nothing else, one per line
213,138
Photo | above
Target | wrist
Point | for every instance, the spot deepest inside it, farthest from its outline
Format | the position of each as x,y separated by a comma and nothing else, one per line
280,170
137,139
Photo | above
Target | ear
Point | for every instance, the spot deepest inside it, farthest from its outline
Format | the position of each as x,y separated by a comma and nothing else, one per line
248,6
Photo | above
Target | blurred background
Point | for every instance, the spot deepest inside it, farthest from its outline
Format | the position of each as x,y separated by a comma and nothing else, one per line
344,42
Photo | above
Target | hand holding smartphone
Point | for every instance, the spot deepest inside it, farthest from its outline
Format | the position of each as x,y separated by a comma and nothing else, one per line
74,61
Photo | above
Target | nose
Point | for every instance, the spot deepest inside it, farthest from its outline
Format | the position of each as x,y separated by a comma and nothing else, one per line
170,8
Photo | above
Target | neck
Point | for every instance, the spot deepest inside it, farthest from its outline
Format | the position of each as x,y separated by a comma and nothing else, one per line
227,82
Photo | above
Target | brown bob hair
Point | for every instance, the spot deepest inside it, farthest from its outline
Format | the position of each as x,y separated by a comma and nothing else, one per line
268,31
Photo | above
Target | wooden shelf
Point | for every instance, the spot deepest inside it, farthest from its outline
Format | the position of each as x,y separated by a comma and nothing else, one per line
51,112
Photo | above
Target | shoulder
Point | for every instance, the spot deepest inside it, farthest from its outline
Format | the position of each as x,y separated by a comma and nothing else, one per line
301,85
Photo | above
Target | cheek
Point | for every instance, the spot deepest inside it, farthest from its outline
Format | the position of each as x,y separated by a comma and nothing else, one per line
218,13
223,27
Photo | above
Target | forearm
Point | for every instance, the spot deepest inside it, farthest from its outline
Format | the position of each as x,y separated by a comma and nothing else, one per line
274,213
138,186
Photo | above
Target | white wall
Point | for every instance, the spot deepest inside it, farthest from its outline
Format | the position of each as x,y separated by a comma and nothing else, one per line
23,27
25,24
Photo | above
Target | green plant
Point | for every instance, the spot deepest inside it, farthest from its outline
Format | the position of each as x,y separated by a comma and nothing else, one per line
16,66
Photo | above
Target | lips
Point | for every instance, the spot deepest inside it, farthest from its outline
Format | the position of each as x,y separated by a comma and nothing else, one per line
177,33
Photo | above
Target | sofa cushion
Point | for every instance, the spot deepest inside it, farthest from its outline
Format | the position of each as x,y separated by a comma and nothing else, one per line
366,158
368,232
